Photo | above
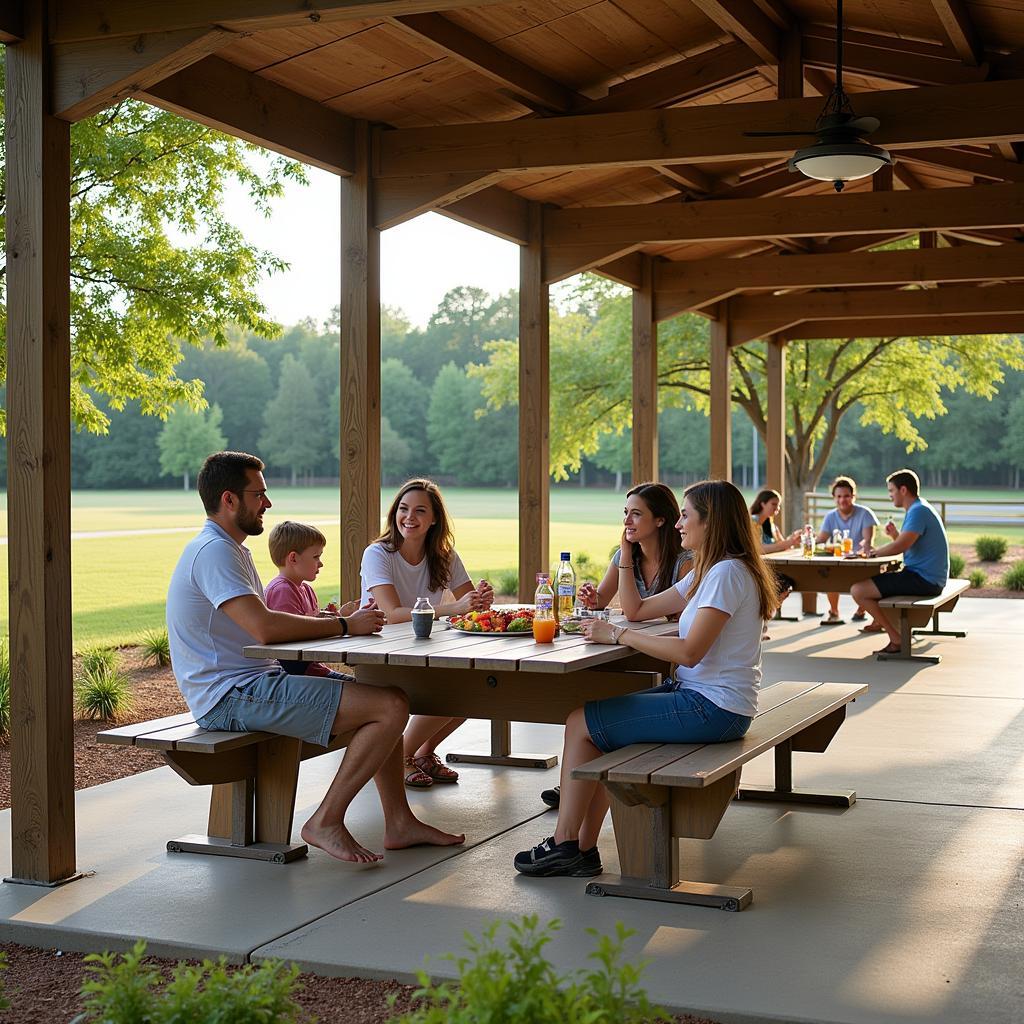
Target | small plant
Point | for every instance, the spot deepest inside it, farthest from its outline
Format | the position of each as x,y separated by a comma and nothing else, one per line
507,581
103,694
125,990
515,983
155,648
990,549
978,579
99,659
956,566
5,690
1014,577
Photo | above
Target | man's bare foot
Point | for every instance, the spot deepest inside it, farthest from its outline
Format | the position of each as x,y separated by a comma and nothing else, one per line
338,842
414,832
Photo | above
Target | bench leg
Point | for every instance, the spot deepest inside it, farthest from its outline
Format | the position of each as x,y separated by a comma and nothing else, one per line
501,752
783,791
906,638
648,821
935,631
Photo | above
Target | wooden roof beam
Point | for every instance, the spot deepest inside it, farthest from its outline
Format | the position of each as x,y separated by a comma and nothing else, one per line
910,327
11,24
489,60
575,259
983,206
223,96
494,210
949,115
976,164
396,200
75,21
747,22
956,22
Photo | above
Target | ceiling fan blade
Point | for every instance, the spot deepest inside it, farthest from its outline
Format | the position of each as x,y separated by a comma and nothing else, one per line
771,135
866,124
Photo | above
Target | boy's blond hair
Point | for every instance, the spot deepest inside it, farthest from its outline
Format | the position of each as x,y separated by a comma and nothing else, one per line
290,536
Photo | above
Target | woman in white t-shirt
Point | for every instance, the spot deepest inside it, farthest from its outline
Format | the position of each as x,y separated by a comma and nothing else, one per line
415,557
722,605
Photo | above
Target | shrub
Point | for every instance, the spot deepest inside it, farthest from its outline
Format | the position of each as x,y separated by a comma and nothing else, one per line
507,581
956,566
990,549
978,579
155,648
5,690
1014,577
103,694
515,984
125,990
99,659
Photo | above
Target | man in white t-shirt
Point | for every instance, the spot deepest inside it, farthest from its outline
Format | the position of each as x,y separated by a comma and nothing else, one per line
856,519
215,608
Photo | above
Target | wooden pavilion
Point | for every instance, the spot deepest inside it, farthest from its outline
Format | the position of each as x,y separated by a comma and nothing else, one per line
596,134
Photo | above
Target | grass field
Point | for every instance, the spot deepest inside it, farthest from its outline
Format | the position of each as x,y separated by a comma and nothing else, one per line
120,582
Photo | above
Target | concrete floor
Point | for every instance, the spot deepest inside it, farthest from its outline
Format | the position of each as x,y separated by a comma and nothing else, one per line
906,907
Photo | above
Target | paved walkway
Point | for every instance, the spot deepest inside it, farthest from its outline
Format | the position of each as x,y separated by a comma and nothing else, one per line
906,907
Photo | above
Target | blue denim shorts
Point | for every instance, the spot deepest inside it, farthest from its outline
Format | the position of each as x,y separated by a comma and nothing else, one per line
299,706
663,714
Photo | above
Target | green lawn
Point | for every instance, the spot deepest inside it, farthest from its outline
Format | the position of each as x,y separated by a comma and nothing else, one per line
119,583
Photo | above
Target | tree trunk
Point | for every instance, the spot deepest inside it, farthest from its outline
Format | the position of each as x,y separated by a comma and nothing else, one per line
294,477
618,480
185,479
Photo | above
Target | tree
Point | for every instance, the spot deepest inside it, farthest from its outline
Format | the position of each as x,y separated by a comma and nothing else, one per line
615,454
1013,438
188,436
295,434
395,454
152,257
127,456
404,401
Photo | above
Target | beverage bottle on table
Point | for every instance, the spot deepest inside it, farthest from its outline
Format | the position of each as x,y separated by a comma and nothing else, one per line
422,618
847,543
565,588
544,624
837,543
808,542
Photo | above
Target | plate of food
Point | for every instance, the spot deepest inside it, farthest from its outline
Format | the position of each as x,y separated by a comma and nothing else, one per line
495,622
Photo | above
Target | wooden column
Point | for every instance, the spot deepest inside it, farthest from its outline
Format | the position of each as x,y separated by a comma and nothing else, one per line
360,367
645,377
534,409
720,464
39,473
775,471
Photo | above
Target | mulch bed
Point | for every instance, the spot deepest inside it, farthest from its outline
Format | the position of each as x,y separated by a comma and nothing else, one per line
43,985
993,570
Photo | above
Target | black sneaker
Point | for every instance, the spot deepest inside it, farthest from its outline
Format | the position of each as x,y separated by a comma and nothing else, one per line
590,864
551,797
550,858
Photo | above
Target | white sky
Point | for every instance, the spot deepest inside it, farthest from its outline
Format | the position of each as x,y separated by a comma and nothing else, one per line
420,260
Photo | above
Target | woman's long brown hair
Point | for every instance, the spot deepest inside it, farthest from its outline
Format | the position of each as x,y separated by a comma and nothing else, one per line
762,499
440,542
729,532
663,505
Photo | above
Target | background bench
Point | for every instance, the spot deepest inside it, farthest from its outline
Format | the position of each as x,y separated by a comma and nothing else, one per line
663,792
919,611
254,777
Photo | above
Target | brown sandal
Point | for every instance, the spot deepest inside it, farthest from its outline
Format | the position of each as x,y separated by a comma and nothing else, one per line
890,648
432,766
415,777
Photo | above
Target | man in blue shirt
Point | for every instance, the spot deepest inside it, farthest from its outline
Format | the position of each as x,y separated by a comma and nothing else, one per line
215,607
925,548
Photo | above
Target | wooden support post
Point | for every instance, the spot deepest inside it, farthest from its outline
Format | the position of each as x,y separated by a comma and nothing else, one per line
775,470
534,409
360,367
645,377
39,474
720,465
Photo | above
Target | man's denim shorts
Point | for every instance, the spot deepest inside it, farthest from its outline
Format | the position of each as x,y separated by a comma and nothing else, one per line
663,714
299,706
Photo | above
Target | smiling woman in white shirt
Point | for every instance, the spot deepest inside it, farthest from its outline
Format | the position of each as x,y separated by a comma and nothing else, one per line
722,603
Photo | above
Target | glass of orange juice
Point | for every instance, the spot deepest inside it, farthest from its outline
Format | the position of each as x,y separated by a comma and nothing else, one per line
544,630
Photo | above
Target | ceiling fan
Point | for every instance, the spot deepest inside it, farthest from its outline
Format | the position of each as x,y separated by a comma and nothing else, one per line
840,152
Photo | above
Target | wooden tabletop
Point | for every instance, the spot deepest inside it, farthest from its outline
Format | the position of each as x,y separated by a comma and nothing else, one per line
792,558
446,648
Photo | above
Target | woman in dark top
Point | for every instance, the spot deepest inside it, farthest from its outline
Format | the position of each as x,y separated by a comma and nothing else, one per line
763,511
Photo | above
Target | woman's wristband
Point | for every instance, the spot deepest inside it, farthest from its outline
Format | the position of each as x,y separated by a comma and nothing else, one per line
617,636
630,566
343,624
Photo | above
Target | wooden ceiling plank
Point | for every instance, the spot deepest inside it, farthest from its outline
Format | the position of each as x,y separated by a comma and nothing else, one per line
225,97
982,206
910,327
956,21
491,61
898,267
944,115
75,21
92,75
747,22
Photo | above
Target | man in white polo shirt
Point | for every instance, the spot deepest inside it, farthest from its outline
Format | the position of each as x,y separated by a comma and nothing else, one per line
215,607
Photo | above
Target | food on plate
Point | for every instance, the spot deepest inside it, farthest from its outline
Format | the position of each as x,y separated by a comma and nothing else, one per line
494,620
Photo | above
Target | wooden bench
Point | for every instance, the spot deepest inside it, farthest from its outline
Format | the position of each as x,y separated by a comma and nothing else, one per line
254,777
663,792
919,611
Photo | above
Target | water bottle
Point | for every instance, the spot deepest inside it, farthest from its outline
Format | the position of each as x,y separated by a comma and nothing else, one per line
544,625
565,588
837,543
422,618
808,542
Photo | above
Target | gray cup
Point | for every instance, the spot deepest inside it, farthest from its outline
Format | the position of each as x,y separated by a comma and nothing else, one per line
422,618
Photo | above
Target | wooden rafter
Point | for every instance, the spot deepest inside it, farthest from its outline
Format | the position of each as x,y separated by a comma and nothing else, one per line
11,23
494,210
983,166
956,21
747,22
566,261
398,199
947,115
919,327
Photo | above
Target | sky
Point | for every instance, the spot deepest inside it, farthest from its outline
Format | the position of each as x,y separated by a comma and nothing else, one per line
420,260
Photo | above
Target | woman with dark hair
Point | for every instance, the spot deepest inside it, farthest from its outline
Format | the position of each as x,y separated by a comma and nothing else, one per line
724,601
763,511
415,557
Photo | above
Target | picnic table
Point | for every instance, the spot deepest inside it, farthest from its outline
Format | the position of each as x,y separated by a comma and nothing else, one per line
479,675
825,574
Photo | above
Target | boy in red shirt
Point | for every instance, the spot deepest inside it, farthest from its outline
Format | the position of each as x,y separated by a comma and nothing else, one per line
296,550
